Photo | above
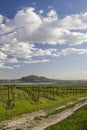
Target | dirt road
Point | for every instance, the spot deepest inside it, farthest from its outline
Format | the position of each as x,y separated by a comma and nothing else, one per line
36,120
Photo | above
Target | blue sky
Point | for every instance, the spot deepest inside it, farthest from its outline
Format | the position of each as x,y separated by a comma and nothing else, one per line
43,37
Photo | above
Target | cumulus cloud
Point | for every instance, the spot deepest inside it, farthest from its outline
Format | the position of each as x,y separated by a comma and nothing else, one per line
36,61
77,21
18,36
12,60
70,51
27,26
2,56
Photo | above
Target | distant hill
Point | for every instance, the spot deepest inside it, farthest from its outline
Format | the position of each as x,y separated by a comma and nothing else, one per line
34,78
38,79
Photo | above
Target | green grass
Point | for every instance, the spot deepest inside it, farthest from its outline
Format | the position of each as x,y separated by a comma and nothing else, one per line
24,103
77,121
54,112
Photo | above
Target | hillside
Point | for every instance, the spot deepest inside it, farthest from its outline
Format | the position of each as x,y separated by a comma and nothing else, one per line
34,78
38,79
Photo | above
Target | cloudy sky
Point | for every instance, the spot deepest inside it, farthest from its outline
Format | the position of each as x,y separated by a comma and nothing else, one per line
43,37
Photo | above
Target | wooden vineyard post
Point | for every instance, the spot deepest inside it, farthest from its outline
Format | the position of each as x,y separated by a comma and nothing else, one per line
50,91
43,90
73,91
12,92
57,92
53,93
8,95
38,93
33,96
62,92
10,101
68,91
46,92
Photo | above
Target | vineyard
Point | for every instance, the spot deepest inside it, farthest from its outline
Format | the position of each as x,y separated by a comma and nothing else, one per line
35,92
17,99
52,91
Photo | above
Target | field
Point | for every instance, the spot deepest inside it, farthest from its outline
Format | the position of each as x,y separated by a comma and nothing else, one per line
16,100
77,121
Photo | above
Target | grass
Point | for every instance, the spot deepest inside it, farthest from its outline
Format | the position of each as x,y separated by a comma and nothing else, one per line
54,112
77,121
24,103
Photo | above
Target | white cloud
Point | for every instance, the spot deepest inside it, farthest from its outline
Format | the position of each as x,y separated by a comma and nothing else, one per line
18,49
12,60
2,56
1,19
28,26
70,51
36,61
5,67
42,52
41,11
52,13
77,21
19,35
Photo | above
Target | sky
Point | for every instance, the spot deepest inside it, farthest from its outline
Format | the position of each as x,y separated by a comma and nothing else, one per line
44,38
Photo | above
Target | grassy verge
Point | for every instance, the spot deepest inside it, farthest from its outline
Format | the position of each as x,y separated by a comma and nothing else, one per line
54,112
77,121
